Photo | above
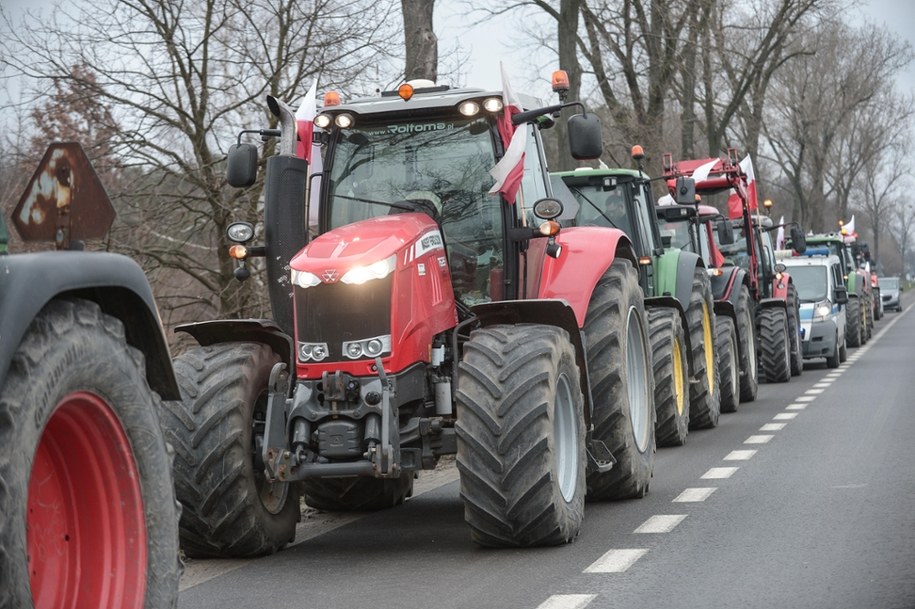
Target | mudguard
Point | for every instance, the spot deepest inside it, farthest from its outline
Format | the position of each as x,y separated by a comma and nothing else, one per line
264,331
769,303
725,284
547,312
117,283
675,275
587,253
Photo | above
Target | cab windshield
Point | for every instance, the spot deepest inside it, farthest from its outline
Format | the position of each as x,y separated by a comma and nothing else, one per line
811,282
439,167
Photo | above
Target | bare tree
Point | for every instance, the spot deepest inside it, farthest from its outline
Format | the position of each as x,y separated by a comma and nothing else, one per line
181,80
882,178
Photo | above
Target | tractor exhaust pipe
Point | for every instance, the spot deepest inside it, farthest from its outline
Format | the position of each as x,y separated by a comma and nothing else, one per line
285,224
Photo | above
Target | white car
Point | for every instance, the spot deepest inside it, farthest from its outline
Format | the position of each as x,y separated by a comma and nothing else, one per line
817,276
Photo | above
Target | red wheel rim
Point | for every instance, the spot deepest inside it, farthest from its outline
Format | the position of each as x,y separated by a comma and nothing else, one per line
85,529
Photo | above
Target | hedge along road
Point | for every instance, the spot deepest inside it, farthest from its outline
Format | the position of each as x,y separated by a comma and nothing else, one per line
802,499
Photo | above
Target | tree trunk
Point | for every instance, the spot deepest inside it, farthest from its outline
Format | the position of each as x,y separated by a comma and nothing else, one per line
420,40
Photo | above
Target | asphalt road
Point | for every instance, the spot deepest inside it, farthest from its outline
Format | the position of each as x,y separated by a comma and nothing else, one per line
802,499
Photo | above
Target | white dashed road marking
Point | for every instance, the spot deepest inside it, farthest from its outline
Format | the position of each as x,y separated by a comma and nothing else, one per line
760,439
806,398
785,416
660,523
773,427
691,495
616,561
740,455
567,601
796,407
719,473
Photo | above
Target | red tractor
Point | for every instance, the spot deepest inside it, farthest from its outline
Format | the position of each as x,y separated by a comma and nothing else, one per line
430,316
89,517
751,284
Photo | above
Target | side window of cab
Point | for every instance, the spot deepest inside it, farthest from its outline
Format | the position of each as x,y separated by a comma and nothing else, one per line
535,180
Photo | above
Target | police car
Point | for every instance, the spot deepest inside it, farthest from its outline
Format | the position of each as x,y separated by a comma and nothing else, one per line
817,276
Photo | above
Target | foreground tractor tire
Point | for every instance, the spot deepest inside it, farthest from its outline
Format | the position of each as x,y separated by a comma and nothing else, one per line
869,317
357,494
705,395
746,329
853,334
794,329
775,345
671,392
230,509
728,364
89,517
622,384
521,436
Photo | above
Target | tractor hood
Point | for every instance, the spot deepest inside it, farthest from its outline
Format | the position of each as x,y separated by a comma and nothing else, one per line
365,243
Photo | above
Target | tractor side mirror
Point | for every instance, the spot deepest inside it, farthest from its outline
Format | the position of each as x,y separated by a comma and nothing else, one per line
841,293
585,137
725,232
798,240
686,191
241,165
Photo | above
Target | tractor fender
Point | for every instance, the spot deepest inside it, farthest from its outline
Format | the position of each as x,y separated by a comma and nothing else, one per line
547,312
780,285
587,253
725,308
769,303
116,283
264,331
674,275
669,302
725,281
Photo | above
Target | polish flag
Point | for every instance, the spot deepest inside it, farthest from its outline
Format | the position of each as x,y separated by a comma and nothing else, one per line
701,173
780,235
735,203
510,168
849,227
305,126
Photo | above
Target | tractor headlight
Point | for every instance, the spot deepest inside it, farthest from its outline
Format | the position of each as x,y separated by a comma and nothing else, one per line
369,347
309,352
378,270
304,279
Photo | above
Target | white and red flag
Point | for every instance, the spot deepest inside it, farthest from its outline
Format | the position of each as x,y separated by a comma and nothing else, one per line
780,235
510,168
305,126
849,227
735,203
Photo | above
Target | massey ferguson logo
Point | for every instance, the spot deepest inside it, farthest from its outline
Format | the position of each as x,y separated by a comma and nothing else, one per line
329,276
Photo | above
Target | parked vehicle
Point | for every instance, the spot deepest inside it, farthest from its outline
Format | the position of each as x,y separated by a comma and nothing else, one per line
88,516
430,316
821,288
890,290
678,295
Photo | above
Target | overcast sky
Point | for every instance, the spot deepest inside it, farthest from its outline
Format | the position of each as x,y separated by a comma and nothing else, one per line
488,43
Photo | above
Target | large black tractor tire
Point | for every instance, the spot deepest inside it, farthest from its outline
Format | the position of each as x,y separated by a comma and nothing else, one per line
853,334
85,474
728,364
869,317
357,494
622,383
878,304
230,510
704,392
671,377
774,345
521,436
748,358
794,329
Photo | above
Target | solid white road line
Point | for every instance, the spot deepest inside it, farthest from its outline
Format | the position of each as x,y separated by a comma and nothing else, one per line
691,495
616,561
662,523
719,473
567,601
740,455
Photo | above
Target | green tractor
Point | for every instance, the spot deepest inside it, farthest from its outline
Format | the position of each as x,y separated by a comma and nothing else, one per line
677,290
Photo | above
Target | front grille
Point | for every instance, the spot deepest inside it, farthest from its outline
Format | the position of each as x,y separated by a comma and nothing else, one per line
333,313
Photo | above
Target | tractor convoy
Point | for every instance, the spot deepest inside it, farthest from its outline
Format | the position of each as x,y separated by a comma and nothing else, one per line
431,296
